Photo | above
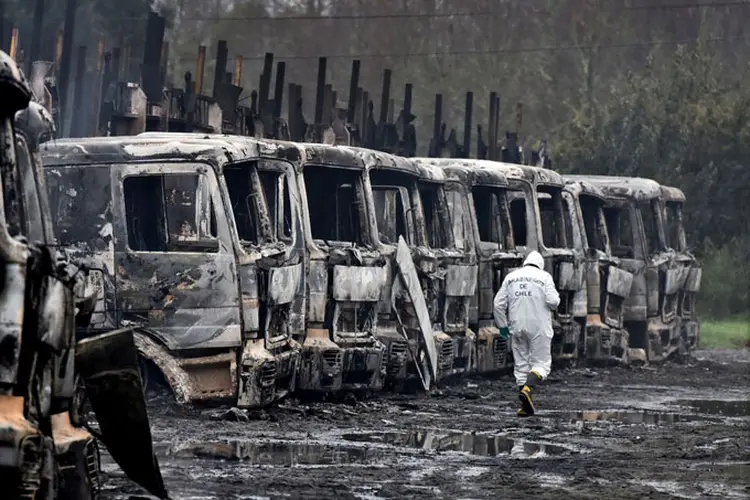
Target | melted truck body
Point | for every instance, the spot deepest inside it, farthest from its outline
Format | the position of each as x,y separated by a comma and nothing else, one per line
46,452
214,302
346,273
498,239
608,285
550,228
673,201
412,201
635,221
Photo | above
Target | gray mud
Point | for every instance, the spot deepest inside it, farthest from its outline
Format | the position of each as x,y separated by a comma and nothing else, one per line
674,431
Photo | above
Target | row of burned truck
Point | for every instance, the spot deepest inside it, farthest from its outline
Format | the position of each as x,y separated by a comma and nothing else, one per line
252,268
47,368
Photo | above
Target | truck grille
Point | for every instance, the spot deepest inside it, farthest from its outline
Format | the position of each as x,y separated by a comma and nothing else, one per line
268,374
606,339
333,359
500,351
396,355
446,354
31,474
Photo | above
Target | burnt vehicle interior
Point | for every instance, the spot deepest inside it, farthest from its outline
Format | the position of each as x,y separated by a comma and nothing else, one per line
594,223
518,215
557,231
396,212
619,219
170,212
335,197
253,191
675,230
494,218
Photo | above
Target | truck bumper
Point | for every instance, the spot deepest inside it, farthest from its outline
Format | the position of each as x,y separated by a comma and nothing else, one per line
565,341
266,377
605,344
327,367
663,339
691,331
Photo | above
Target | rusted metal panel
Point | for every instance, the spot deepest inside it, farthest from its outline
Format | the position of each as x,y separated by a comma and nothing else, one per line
693,281
619,281
461,281
358,284
283,283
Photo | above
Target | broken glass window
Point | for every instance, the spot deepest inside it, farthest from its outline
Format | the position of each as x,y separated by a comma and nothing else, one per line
168,213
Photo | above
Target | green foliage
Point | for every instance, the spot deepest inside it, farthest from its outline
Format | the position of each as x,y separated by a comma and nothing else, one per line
725,288
727,334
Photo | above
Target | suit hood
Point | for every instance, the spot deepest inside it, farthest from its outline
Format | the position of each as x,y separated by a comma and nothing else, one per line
534,259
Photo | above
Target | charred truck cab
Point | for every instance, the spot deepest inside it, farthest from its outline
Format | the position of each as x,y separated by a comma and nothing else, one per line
152,218
346,273
484,198
635,221
553,222
411,200
605,339
673,200
61,359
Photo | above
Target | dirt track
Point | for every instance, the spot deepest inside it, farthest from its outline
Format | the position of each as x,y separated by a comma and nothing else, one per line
675,431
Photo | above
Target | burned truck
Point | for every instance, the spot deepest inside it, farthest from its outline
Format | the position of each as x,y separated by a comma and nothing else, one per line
497,238
549,226
673,200
605,338
635,220
214,300
46,452
346,273
431,275
343,273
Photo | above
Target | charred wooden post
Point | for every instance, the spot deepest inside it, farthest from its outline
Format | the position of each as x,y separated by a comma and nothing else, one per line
237,76
78,119
265,83
281,128
353,86
152,52
320,91
404,128
467,124
65,62
221,66
116,64
14,35
164,64
364,115
482,149
98,80
36,36
437,128
328,104
200,69
385,97
58,51
492,129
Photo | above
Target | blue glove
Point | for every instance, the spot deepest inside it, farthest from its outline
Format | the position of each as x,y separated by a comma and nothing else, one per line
504,333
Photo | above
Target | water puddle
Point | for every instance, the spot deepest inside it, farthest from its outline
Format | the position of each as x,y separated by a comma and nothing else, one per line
724,408
483,445
645,417
273,453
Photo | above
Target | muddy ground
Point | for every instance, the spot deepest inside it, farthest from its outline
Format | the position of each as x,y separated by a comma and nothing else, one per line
674,431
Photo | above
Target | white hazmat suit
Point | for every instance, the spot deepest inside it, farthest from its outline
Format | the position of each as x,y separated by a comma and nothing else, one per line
524,305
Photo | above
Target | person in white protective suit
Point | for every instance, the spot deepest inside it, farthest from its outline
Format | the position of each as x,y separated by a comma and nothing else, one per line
523,308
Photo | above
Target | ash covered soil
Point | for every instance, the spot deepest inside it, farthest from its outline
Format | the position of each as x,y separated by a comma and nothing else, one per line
670,431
